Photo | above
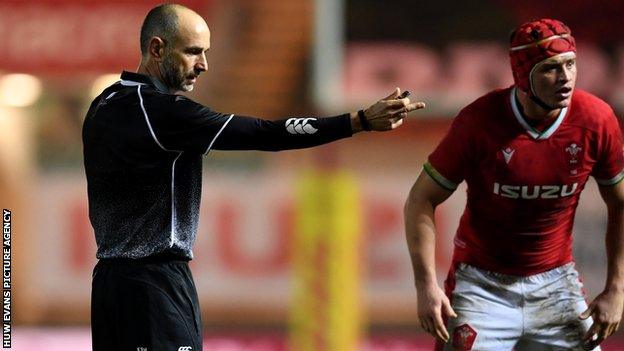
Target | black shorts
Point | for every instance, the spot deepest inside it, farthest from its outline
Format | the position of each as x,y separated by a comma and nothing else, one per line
147,305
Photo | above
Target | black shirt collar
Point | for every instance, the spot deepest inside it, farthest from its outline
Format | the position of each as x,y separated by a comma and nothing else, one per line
142,78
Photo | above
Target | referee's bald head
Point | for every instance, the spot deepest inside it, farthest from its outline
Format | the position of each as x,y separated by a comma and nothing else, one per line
162,21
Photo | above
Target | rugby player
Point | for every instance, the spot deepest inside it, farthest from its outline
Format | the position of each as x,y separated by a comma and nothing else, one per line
525,153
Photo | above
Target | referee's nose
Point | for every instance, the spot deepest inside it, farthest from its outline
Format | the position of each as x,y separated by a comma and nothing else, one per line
202,63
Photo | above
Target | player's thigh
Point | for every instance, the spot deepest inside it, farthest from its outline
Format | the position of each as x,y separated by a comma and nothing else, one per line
487,318
552,313
559,327
530,345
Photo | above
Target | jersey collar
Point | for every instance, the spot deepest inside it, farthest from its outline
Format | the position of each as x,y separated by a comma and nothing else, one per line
132,78
530,130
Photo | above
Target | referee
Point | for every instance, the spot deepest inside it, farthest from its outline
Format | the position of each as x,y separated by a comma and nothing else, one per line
143,150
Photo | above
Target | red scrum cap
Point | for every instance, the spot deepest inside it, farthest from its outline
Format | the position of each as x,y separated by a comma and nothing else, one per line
534,42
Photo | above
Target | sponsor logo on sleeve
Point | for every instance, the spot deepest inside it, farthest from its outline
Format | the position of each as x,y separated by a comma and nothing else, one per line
300,126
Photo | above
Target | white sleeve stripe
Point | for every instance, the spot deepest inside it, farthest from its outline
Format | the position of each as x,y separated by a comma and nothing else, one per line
130,83
611,181
148,122
218,133
439,178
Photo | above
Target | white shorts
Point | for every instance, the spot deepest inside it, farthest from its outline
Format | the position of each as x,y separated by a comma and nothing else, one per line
498,312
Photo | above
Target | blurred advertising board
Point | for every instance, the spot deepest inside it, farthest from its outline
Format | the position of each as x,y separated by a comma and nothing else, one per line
245,245
71,36
449,58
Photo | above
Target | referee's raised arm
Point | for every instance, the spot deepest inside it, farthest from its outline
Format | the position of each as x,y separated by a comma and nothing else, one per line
248,133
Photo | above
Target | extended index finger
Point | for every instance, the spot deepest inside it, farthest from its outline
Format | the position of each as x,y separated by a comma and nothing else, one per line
408,108
397,103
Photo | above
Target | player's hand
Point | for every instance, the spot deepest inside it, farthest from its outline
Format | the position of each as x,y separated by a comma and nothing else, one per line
388,113
606,311
433,306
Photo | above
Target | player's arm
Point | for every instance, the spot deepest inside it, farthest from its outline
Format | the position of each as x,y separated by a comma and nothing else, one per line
424,197
248,133
606,309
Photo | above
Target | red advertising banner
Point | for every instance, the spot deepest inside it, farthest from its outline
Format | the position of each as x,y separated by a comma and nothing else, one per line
244,253
71,36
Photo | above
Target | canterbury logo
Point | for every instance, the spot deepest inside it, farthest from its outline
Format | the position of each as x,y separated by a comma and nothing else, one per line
185,348
300,126
535,191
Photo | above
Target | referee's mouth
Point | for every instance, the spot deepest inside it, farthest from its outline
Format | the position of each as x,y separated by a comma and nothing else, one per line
192,78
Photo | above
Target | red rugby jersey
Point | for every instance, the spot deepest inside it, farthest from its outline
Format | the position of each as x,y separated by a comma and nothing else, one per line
523,185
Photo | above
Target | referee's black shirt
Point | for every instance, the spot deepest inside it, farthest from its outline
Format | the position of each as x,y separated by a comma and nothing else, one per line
143,149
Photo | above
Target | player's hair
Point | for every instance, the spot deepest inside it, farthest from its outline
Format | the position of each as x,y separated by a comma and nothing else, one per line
162,22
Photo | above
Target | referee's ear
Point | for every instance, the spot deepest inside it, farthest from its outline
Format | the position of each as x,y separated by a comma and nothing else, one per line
157,48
